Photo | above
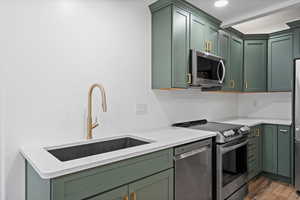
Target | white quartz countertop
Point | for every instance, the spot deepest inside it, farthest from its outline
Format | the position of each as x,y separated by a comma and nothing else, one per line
257,121
47,166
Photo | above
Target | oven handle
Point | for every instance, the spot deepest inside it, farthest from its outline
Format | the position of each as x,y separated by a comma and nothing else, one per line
223,67
227,149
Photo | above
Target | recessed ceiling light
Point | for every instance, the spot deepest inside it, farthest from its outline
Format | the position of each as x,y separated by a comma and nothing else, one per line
221,3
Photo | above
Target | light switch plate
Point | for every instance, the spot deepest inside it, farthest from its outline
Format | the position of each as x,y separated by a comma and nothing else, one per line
141,109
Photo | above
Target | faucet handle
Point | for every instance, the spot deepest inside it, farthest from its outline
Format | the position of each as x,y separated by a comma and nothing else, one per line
95,124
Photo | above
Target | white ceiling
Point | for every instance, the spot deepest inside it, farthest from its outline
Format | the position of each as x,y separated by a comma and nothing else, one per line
271,23
234,9
265,15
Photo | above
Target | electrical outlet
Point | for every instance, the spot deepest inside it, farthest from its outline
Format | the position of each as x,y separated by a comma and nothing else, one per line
141,109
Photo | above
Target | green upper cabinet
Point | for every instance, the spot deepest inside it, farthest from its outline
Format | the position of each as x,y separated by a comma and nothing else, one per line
162,48
269,149
204,36
197,33
231,50
236,63
284,151
180,51
280,63
178,27
170,47
255,65
296,36
212,39
224,52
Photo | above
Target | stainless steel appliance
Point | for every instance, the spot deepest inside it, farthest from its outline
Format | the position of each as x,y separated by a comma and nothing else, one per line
231,157
296,121
193,171
207,70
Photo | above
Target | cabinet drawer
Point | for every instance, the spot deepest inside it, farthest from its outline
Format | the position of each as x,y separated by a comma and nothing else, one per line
94,181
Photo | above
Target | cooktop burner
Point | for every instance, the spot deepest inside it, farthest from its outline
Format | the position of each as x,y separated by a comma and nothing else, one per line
225,132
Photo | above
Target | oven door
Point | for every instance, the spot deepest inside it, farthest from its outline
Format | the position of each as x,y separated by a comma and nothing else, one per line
207,70
231,167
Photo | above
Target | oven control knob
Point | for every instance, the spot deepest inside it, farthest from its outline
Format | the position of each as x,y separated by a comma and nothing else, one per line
228,133
245,129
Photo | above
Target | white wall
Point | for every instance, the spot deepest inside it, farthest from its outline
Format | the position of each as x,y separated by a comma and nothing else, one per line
52,50
266,105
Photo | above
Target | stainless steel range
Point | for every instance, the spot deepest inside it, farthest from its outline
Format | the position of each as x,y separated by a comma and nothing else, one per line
231,157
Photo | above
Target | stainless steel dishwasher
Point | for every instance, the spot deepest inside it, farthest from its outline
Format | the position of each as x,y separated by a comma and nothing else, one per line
193,171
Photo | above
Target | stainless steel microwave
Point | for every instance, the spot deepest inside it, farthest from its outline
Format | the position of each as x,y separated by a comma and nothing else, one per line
206,70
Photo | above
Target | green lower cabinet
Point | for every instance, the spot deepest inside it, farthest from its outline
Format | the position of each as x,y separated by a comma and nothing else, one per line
148,177
276,151
254,152
116,194
158,187
284,151
269,149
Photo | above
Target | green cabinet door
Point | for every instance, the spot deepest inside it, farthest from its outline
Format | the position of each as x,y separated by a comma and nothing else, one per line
255,65
162,48
116,194
180,52
236,62
259,149
158,187
212,36
197,33
224,52
269,149
280,63
284,151
252,154
296,43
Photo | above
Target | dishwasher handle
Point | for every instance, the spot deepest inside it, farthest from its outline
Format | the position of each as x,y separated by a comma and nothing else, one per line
191,153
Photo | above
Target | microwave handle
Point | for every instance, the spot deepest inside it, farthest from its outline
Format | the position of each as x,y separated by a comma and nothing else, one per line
223,67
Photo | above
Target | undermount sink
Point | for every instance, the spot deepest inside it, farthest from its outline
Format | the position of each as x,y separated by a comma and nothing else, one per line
84,150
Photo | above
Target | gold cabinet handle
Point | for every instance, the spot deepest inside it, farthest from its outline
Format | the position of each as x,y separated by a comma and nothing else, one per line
125,198
246,84
257,132
189,78
133,196
232,84
205,46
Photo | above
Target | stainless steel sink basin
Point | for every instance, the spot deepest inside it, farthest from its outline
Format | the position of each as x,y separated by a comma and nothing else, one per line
84,150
